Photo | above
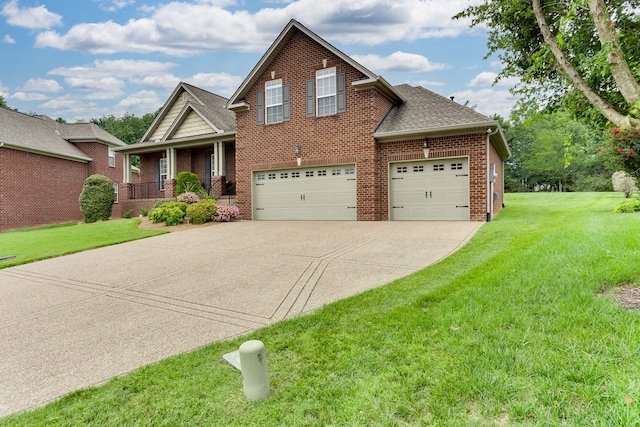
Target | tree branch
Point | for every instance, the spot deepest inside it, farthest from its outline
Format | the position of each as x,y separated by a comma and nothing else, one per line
594,99
629,87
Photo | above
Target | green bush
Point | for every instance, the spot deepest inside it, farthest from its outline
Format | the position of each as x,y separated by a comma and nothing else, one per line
629,206
97,198
144,211
127,214
165,211
202,212
175,216
188,181
160,203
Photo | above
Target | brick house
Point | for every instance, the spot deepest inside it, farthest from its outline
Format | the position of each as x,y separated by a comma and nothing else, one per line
317,136
43,165
193,132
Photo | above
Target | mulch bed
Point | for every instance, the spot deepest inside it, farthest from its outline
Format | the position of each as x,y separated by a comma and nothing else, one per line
146,224
629,297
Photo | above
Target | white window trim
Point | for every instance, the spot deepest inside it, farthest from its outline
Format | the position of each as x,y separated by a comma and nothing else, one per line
112,156
273,85
163,176
321,75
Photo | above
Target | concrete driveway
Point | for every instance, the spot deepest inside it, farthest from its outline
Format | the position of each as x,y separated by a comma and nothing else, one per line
79,320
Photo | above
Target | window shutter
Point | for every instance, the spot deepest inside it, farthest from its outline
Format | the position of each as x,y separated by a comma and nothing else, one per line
286,103
207,171
311,98
156,173
260,107
341,93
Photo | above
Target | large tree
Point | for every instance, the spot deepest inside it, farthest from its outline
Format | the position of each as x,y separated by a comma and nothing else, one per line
580,54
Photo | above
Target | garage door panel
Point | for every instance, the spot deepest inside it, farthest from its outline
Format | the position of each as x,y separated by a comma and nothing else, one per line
429,190
319,193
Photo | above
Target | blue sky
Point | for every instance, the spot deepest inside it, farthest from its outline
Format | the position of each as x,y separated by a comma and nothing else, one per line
85,59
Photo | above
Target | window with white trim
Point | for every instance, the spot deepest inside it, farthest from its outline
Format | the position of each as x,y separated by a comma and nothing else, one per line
163,172
115,190
112,157
326,91
273,101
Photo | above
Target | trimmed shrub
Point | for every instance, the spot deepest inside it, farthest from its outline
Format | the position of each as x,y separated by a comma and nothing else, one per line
175,216
164,211
160,203
144,211
202,212
188,182
226,213
127,214
97,198
629,206
188,197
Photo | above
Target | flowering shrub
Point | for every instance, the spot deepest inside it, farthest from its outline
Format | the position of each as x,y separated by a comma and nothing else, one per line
226,213
624,183
202,212
626,144
188,197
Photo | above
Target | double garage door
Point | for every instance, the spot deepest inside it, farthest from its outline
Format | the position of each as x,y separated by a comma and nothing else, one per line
430,190
418,191
318,193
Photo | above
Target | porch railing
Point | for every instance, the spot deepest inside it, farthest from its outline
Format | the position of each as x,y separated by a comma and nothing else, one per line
146,190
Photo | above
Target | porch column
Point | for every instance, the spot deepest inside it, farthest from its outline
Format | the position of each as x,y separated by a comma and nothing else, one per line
126,170
222,159
171,159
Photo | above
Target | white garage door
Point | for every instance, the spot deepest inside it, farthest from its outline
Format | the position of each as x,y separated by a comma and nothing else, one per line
430,190
317,193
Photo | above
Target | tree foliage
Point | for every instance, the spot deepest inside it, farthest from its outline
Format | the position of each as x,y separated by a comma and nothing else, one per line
128,128
555,152
580,55
3,104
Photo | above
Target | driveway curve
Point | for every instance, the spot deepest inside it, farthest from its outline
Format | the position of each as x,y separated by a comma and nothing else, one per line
79,320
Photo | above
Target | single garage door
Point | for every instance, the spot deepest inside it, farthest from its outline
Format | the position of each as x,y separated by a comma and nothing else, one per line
430,190
317,193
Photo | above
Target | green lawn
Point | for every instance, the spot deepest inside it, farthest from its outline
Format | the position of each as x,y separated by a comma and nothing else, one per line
34,244
513,329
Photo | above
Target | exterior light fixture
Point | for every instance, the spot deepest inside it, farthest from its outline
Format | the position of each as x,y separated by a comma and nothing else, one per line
425,147
298,152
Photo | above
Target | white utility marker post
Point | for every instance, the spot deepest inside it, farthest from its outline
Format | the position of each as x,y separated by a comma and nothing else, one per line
253,363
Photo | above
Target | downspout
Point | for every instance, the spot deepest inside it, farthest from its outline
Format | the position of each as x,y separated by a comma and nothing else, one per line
490,133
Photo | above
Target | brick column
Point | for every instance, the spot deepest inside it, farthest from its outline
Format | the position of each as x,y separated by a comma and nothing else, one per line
218,185
170,188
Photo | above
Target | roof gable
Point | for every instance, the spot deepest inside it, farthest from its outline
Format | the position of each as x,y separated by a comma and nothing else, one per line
370,81
190,122
186,99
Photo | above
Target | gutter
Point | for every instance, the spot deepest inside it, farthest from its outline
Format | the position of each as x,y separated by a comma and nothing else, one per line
191,141
4,144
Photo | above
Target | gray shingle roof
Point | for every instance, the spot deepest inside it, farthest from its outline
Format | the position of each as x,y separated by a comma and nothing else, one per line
425,110
88,132
38,134
214,108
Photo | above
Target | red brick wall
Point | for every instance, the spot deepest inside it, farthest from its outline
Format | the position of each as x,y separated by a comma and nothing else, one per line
471,146
38,190
339,138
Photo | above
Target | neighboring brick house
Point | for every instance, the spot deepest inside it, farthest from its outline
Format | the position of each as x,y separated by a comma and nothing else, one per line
43,165
317,136
192,133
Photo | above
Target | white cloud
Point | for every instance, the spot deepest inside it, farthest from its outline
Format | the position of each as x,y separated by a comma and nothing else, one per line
183,28
400,62
488,101
115,5
68,104
33,18
8,39
426,83
41,85
4,91
29,96
220,83
143,101
487,79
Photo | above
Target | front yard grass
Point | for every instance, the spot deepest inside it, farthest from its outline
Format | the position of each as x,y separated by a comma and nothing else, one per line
511,330
35,244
